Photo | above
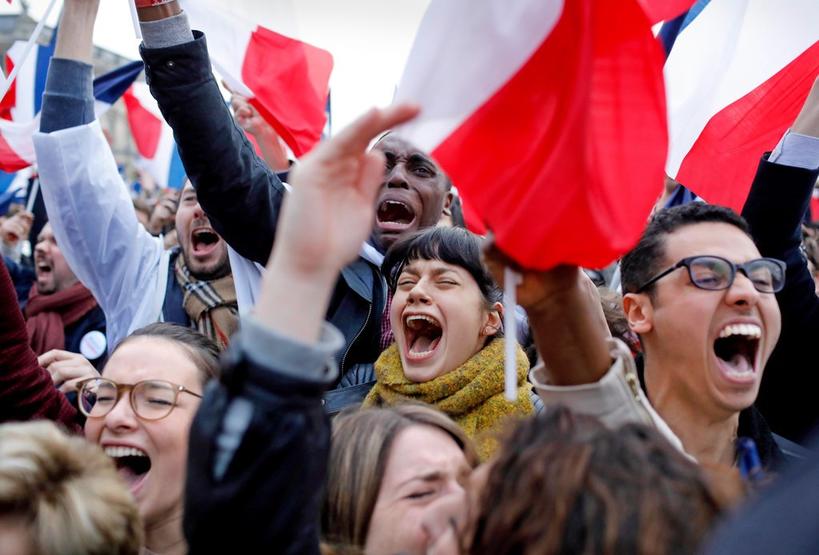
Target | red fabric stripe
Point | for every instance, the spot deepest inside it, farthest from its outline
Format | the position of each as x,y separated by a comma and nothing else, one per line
10,161
146,128
721,164
290,82
10,100
564,163
814,209
664,10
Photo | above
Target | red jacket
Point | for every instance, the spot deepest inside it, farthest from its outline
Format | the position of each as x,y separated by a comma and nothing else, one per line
26,389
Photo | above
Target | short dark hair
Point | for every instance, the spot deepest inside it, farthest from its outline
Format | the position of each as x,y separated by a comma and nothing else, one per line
596,489
641,263
203,351
452,245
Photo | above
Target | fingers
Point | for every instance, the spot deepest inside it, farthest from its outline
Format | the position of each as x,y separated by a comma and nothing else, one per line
355,138
46,359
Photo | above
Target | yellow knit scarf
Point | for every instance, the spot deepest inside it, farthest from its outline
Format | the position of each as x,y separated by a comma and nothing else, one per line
472,395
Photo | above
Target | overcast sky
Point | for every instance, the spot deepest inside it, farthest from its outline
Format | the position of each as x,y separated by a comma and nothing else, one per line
369,39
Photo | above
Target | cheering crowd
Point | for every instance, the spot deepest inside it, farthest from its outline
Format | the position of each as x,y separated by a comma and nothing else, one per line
319,366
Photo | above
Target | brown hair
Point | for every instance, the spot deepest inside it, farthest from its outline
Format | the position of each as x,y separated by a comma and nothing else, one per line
65,492
202,350
564,483
358,457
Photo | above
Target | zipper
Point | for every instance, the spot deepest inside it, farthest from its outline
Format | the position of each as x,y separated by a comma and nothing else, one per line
350,346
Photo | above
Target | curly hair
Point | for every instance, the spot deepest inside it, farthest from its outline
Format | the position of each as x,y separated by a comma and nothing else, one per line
565,483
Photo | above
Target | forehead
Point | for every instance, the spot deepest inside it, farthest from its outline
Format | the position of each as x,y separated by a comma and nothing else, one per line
152,358
425,266
713,238
420,450
45,233
400,147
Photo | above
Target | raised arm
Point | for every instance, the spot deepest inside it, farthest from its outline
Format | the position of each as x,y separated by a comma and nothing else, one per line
779,198
238,192
261,438
26,389
87,202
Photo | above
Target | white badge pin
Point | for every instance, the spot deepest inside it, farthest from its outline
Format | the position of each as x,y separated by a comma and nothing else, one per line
92,345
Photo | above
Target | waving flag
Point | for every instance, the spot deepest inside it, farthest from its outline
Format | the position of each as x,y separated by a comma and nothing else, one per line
286,80
549,116
154,138
22,104
736,77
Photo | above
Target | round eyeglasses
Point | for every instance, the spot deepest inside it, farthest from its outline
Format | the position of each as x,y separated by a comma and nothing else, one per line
715,273
150,399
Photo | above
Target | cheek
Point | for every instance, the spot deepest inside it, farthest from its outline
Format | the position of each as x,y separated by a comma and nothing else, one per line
397,530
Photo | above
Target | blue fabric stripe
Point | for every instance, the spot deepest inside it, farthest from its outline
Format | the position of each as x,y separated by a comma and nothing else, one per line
109,87
9,196
44,54
176,171
672,29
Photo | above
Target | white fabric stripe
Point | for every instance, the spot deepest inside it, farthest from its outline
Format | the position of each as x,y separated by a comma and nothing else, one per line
731,48
228,37
159,166
468,50
18,136
142,93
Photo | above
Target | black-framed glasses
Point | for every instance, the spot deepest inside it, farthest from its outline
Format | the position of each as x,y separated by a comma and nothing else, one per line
150,399
715,273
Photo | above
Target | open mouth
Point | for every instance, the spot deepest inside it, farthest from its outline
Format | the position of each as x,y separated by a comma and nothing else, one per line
423,334
394,215
132,464
43,268
736,349
203,241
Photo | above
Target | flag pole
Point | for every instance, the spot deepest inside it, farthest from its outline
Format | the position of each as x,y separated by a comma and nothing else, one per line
38,30
135,19
511,279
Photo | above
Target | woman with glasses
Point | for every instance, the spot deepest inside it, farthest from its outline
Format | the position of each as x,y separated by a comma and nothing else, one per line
139,411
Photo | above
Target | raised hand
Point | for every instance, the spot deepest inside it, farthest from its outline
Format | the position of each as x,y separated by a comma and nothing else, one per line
16,228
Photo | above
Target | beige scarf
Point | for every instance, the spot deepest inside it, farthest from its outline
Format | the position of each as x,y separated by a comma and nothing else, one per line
211,305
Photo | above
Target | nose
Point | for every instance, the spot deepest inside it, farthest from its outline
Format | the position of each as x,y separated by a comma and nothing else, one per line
418,293
397,177
121,417
198,213
742,292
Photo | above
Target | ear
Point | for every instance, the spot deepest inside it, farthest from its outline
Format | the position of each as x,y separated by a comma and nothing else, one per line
447,210
494,318
639,312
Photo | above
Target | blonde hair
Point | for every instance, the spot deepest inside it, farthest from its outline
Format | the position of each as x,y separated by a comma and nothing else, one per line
358,458
66,491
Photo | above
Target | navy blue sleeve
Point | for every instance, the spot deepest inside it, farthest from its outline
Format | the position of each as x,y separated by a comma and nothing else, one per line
68,100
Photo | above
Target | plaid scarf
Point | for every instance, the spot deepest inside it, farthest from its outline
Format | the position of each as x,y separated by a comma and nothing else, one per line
211,305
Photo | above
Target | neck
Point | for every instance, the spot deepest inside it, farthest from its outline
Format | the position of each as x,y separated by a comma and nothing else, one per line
166,537
707,437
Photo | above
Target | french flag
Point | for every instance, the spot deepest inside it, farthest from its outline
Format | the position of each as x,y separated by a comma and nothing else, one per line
286,80
737,75
154,138
20,108
549,116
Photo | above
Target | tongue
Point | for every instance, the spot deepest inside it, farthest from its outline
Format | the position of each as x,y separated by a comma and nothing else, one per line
128,474
423,344
739,363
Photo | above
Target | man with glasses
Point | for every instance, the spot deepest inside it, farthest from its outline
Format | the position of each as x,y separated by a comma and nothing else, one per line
702,299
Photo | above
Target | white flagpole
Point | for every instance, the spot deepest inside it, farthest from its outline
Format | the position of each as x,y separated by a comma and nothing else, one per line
38,30
135,19
511,279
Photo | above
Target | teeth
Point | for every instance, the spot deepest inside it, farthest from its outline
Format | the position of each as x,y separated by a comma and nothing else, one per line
748,330
410,320
117,452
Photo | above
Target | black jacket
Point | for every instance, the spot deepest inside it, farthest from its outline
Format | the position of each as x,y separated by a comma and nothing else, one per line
242,196
269,498
776,205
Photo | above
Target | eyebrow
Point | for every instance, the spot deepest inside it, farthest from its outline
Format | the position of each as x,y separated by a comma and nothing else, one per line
437,271
432,476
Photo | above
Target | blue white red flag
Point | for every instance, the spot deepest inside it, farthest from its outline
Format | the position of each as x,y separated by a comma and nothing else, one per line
158,154
737,74
20,108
